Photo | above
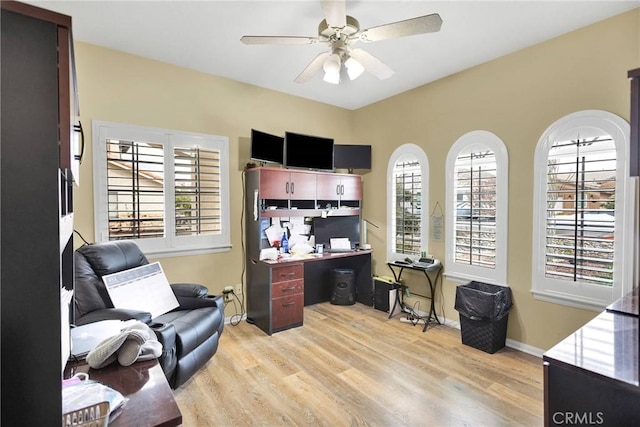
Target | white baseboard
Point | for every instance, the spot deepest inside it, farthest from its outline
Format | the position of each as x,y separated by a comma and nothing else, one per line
516,345
227,320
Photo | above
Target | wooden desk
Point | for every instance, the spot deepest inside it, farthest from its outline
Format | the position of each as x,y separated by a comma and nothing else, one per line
265,287
151,401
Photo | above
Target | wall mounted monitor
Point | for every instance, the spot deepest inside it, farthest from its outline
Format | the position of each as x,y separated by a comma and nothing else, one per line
308,152
351,156
266,148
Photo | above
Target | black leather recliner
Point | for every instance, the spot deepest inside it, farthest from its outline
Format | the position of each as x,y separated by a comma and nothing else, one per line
189,334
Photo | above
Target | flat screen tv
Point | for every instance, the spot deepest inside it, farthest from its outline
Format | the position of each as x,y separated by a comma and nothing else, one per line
347,156
332,227
308,152
267,148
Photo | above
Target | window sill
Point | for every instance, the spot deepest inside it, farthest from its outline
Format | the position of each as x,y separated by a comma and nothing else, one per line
462,279
570,300
175,252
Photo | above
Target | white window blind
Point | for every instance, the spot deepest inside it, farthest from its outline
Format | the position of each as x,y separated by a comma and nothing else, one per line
135,186
475,218
581,187
197,191
408,207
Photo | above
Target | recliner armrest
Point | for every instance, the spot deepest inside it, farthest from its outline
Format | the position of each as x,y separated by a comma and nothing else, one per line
166,335
192,296
113,314
193,290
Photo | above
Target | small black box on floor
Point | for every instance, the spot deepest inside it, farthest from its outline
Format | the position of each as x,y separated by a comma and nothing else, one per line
382,299
486,335
344,286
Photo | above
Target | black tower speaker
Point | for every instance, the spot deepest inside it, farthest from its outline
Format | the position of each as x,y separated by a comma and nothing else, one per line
344,286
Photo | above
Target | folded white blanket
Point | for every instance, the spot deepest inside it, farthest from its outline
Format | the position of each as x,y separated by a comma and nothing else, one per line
133,343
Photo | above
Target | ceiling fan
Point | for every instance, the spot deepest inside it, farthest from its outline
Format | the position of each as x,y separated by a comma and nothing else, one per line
339,30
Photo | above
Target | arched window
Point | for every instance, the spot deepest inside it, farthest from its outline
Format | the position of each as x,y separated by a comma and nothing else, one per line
407,196
583,231
476,209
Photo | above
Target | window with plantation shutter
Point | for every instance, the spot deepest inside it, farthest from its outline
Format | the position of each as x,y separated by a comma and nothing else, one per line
583,206
476,214
167,190
407,201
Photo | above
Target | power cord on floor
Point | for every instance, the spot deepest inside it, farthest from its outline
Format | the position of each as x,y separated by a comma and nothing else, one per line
413,315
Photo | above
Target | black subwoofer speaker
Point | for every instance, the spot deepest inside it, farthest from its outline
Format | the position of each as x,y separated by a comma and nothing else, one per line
344,286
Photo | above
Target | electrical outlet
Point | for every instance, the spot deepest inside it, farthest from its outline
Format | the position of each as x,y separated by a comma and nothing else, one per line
238,290
228,293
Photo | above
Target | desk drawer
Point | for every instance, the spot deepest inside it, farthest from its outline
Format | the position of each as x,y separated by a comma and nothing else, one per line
287,311
292,287
287,272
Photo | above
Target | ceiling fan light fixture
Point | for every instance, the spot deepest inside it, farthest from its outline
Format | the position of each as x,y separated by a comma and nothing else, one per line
339,31
354,68
332,64
332,77
331,69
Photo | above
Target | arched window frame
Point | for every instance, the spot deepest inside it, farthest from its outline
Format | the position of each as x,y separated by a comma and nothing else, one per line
406,151
478,141
580,294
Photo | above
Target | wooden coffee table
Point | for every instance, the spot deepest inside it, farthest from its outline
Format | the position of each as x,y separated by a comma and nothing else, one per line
150,399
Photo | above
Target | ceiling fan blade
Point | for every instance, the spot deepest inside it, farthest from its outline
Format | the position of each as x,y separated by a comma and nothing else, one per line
278,40
420,25
372,64
312,68
335,12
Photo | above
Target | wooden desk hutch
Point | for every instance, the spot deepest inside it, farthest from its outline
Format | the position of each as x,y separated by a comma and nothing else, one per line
277,291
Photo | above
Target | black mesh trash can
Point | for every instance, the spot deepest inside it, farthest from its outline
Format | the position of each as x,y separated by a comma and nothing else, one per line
344,286
484,313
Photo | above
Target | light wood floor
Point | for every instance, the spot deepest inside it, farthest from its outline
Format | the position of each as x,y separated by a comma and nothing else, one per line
350,365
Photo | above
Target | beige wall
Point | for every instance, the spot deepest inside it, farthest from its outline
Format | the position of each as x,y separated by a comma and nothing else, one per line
122,88
517,97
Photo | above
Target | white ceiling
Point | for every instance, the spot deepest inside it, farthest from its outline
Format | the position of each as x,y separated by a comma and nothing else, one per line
205,36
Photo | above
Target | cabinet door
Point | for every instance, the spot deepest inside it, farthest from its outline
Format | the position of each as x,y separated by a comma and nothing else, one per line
328,187
30,198
287,311
302,186
274,184
351,187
